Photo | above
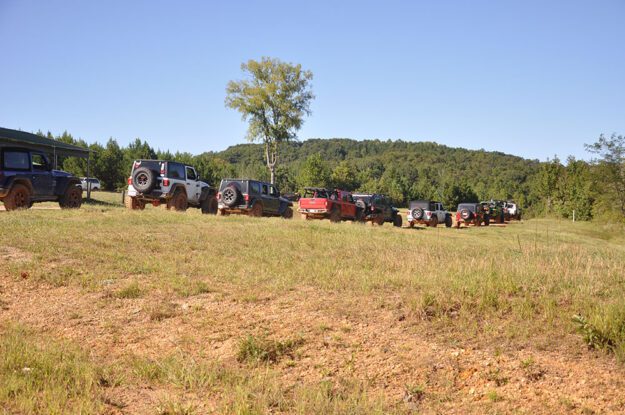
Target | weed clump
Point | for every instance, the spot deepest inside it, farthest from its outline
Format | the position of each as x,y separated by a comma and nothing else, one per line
605,331
262,349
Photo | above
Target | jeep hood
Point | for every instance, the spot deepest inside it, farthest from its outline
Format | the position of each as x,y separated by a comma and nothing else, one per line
61,173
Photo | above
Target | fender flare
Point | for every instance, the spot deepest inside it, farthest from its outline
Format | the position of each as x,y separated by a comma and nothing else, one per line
207,192
177,186
15,180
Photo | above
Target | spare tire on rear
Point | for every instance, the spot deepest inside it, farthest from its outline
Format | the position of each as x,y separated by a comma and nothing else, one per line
143,180
417,213
230,195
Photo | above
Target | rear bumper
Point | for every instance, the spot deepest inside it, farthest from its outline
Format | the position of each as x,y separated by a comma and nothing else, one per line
313,211
153,195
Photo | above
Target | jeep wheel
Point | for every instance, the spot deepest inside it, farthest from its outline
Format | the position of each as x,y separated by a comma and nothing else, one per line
18,198
72,199
257,210
143,180
448,221
486,220
433,222
230,195
133,203
180,203
209,205
222,212
411,224
397,221
335,215
379,220
288,213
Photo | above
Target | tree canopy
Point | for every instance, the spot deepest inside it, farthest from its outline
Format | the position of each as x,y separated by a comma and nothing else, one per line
273,100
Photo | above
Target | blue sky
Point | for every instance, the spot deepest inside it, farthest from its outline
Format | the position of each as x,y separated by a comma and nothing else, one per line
533,78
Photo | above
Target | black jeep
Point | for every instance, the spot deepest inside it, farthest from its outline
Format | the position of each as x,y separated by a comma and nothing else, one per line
252,197
378,209
26,177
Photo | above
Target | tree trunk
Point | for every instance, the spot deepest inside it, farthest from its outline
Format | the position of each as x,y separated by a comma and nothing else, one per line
272,158
272,169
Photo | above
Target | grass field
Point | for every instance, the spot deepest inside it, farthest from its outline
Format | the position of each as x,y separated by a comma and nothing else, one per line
104,310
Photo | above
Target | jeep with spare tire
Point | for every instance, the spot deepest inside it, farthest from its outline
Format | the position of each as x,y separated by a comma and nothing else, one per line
377,209
429,213
26,177
472,214
252,198
174,185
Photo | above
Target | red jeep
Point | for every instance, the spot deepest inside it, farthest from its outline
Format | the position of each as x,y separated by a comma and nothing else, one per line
336,205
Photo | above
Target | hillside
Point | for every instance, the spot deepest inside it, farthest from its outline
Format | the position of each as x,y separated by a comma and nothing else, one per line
416,169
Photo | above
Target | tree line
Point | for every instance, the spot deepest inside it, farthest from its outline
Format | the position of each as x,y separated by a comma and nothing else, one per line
402,170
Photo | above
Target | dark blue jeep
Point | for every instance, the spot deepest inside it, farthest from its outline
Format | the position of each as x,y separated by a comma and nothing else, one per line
26,177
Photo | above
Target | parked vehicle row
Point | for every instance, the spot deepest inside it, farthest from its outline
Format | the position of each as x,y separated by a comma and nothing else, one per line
26,177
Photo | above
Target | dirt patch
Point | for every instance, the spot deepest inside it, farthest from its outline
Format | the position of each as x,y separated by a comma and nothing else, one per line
12,254
358,336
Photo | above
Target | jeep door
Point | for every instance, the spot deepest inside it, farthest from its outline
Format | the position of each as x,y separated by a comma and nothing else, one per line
41,179
348,208
440,213
273,200
192,185
266,198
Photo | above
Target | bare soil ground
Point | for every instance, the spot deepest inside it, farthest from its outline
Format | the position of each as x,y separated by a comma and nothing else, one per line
363,337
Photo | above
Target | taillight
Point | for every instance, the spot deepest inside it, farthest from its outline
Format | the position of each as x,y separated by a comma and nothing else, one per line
130,180
165,182
219,196
162,168
246,197
137,164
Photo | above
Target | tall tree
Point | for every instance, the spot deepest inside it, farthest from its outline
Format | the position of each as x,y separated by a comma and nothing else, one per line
610,169
274,100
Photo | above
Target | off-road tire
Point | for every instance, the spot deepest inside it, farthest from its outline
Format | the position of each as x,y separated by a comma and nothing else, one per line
18,198
335,215
230,195
486,220
72,198
417,213
288,213
209,205
397,221
433,223
256,211
379,220
360,204
448,221
222,212
143,180
133,203
179,201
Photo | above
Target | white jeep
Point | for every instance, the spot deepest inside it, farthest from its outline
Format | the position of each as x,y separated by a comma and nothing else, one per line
429,213
174,184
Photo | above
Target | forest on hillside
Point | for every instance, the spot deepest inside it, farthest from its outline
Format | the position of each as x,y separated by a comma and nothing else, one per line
402,170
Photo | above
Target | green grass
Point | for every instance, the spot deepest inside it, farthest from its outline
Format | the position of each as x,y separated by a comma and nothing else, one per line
531,276
499,288
45,376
